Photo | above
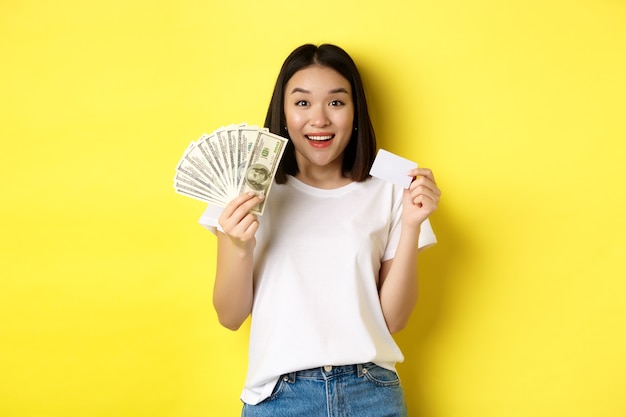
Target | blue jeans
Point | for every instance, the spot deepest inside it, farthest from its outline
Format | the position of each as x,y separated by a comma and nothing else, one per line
364,390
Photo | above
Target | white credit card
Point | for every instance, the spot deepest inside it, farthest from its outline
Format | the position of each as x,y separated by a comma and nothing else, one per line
393,168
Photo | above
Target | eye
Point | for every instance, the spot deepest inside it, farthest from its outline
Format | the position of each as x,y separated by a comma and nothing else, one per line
336,103
302,103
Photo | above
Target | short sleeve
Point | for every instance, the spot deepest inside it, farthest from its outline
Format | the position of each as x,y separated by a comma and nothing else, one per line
427,236
209,218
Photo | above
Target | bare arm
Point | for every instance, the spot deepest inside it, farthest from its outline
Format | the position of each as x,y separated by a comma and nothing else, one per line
398,287
233,289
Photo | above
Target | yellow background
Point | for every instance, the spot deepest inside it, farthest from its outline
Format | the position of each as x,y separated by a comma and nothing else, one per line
519,107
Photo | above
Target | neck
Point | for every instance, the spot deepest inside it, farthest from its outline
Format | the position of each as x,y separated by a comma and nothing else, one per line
323,178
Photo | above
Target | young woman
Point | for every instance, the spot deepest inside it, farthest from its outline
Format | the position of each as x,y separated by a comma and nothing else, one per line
329,271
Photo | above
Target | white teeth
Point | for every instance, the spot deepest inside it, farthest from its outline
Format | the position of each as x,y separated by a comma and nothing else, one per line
319,137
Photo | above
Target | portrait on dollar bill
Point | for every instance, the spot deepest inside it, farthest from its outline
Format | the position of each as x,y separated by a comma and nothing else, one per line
258,177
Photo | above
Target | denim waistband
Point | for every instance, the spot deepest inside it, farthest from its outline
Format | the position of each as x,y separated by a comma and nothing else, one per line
328,372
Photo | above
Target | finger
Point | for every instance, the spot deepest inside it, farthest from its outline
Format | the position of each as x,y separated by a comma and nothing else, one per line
423,203
252,227
247,227
423,185
418,190
248,205
236,202
237,210
424,200
241,205
422,172
242,230
425,197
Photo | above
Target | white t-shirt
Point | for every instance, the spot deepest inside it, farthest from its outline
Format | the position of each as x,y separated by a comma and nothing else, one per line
317,261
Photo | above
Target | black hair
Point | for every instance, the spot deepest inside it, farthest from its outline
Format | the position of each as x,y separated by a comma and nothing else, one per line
360,151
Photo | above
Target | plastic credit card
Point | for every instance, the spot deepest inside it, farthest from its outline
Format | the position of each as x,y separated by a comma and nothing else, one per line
393,168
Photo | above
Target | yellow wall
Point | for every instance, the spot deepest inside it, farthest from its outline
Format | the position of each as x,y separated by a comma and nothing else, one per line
106,278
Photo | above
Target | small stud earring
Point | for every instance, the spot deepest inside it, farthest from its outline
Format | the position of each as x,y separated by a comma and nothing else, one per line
285,127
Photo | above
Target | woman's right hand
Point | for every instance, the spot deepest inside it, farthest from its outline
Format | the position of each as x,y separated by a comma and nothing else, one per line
238,223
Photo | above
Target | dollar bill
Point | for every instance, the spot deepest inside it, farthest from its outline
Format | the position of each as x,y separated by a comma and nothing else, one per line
193,192
233,159
192,169
247,136
216,166
262,165
220,140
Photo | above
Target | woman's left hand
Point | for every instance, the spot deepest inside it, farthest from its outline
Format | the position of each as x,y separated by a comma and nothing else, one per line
421,199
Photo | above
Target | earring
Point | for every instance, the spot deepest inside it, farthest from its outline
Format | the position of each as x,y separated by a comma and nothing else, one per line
285,127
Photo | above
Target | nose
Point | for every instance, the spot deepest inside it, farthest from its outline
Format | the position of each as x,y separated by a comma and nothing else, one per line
319,118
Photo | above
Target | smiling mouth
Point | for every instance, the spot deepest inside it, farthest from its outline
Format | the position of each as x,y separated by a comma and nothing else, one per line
319,138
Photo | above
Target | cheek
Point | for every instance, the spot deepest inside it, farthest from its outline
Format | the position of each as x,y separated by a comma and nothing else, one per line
293,118
346,120
347,114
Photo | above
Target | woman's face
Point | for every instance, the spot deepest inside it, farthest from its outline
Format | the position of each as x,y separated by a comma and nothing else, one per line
319,112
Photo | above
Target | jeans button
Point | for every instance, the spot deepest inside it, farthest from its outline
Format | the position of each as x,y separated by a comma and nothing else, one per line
328,368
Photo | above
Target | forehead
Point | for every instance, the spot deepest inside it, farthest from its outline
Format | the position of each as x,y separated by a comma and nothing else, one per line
317,78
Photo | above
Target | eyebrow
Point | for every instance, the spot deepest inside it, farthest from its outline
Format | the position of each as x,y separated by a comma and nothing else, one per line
333,91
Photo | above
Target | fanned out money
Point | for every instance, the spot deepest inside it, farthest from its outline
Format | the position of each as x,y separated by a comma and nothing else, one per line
228,162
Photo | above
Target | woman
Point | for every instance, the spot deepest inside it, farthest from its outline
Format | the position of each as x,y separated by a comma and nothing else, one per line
329,271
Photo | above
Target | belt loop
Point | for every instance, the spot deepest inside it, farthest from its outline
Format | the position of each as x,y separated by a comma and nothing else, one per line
290,377
361,370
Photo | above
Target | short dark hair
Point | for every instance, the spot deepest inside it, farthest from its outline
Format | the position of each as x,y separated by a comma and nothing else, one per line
360,151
